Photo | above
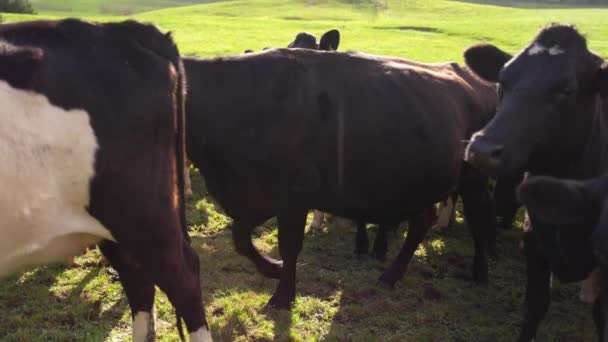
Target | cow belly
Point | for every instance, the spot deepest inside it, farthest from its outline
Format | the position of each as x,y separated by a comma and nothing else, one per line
47,164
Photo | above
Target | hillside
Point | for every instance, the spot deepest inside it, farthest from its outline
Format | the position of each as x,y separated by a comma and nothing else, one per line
107,7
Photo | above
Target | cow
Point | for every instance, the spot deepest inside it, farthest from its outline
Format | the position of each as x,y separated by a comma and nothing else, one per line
578,210
330,41
551,121
365,137
92,138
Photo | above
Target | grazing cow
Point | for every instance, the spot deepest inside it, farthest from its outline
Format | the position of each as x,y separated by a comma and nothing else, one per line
551,121
92,139
364,137
578,212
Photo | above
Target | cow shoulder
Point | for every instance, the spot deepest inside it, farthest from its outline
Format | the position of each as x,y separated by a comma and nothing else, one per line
19,65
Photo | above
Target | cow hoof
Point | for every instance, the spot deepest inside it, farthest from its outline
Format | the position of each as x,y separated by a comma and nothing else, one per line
480,279
361,252
386,281
272,269
278,303
380,256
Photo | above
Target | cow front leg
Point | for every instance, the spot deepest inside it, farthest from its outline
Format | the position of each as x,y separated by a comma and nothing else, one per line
291,237
419,226
538,289
241,236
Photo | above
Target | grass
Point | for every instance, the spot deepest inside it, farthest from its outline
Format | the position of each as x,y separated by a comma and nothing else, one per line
338,299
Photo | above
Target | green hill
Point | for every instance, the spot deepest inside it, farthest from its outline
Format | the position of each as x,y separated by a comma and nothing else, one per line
111,7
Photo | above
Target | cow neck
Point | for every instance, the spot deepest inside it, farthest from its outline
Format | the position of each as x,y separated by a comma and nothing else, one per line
594,159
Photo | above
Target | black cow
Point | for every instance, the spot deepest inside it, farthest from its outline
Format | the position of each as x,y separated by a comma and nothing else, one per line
92,139
364,137
578,212
330,41
551,121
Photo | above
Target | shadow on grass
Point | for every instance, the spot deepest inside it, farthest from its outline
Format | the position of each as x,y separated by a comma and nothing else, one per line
57,303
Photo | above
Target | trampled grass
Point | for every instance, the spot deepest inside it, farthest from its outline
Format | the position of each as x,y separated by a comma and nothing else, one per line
338,299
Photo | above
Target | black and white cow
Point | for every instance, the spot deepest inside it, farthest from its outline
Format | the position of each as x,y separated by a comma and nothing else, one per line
552,120
92,143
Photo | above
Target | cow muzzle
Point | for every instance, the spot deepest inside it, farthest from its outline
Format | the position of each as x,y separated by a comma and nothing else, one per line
484,154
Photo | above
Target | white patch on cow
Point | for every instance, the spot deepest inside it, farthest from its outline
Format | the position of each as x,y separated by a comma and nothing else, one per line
317,220
537,49
201,335
187,182
143,327
590,287
446,210
47,158
527,223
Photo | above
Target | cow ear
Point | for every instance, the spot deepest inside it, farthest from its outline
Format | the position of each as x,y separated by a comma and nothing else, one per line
486,60
248,51
330,40
18,65
554,201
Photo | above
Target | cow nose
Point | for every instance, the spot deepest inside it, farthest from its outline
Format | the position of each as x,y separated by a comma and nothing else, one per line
484,155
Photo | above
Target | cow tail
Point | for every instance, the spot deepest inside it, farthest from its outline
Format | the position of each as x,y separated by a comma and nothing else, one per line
180,144
180,328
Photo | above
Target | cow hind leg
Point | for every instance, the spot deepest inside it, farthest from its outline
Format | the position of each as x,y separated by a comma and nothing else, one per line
361,240
176,271
317,220
241,236
381,241
419,226
139,289
291,238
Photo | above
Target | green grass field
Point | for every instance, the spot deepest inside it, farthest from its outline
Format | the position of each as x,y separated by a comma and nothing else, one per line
338,299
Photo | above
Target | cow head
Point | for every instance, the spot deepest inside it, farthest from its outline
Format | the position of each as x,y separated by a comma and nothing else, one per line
546,98
329,41
582,204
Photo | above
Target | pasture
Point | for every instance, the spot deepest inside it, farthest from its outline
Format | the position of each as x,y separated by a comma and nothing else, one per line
338,299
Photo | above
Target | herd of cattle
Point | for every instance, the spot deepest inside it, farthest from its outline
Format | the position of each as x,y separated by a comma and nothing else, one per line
99,119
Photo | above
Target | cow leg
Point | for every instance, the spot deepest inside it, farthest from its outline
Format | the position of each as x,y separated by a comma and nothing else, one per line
241,236
446,212
317,220
291,237
419,226
479,211
600,315
139,289
598,318
538,289
381,241
361,241
187,182
176,271
506,201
